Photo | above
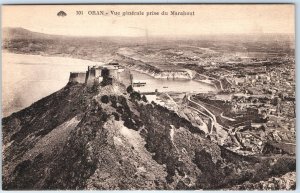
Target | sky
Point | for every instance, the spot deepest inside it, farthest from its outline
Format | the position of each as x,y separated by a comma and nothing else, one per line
207,19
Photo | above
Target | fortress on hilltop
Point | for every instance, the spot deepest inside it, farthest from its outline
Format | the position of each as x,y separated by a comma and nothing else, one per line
95,74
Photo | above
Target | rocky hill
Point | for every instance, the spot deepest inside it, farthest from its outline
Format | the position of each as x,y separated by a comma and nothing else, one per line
104,138
10,33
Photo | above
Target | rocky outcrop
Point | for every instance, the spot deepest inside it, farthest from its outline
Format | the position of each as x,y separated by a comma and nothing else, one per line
273,147
284,182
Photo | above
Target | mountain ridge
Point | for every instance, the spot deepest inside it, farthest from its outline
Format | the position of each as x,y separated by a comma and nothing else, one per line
106,140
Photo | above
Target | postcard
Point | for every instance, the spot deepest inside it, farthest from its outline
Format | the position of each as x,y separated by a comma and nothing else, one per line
148,97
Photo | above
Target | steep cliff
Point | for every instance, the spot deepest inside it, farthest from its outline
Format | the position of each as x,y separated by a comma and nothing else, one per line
153,70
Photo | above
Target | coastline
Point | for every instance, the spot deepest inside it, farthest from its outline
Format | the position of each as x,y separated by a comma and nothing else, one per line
159,75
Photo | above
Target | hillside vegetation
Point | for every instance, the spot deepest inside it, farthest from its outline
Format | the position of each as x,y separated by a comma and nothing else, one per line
76,139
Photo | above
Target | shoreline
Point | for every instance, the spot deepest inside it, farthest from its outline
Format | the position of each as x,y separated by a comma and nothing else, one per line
153,75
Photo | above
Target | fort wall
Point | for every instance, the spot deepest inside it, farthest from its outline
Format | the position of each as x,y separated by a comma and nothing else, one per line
114,73
79,77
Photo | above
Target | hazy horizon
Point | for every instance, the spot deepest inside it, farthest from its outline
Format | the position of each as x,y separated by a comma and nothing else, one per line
159,36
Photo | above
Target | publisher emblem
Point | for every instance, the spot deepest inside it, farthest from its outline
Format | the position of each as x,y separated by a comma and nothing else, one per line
61,14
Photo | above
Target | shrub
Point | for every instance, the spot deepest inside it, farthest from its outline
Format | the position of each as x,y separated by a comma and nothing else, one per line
113,100
116,115
105,99
94,87
22,167
129,123
144,98
135,96
129,89
104,117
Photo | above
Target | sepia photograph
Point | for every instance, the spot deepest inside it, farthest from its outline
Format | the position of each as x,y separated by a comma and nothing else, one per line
148,97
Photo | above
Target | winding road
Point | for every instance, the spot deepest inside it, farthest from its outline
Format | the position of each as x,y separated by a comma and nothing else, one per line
210,115
202,107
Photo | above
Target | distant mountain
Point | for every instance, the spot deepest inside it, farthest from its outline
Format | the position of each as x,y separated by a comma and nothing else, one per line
21,33
23,41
